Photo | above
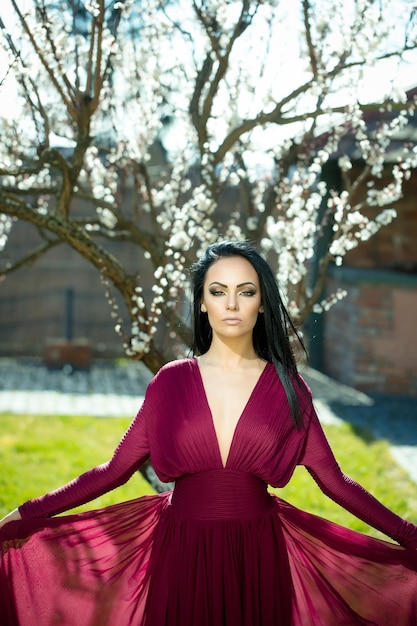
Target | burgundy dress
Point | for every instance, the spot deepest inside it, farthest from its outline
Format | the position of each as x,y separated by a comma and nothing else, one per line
219,550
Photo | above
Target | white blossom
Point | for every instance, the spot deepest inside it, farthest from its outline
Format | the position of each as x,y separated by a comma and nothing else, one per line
345,163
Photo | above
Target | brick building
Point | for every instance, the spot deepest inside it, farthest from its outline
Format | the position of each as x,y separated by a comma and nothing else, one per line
369,339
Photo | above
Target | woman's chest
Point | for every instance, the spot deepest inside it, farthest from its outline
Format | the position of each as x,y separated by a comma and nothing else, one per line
185,440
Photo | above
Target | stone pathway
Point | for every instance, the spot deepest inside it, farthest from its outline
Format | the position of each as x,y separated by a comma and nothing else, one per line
26,386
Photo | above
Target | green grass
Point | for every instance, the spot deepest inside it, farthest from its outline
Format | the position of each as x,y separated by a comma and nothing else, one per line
41,453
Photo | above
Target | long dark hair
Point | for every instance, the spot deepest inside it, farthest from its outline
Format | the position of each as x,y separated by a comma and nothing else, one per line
271,333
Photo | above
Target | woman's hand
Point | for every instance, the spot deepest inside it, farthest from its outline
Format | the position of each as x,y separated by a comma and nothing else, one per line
10,517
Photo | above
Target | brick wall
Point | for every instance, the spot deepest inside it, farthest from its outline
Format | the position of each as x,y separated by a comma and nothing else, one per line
370,337
33,299
395,245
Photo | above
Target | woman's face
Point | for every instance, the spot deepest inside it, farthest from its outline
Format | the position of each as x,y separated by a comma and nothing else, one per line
231,297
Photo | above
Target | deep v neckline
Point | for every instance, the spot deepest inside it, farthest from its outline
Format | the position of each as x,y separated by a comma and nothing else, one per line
210,413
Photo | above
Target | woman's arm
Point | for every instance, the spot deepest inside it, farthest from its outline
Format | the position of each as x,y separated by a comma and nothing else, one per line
130,454
322,465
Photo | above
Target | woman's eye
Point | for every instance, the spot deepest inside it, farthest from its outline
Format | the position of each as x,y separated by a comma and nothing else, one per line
220,292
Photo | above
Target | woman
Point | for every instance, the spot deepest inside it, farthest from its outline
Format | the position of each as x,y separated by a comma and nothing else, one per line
219,550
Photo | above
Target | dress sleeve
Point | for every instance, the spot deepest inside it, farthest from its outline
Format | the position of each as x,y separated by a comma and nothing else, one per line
319,460
129,456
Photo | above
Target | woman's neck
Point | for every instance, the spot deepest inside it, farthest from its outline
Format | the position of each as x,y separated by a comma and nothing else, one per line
230,355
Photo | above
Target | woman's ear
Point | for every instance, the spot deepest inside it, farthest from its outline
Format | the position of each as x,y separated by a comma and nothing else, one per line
261,309
203,308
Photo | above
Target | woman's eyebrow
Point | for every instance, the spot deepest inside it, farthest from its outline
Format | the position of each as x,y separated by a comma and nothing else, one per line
215,282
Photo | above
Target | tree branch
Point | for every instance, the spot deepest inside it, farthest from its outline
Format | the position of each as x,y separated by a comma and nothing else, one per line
30,258
74,236
317,290
310,45
52,76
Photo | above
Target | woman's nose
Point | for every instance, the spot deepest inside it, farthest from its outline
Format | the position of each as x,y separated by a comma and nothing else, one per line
231,304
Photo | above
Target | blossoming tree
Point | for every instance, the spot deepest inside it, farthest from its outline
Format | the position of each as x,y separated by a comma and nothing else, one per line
248,100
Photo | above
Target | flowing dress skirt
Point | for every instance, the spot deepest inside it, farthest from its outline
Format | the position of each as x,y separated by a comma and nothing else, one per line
218,551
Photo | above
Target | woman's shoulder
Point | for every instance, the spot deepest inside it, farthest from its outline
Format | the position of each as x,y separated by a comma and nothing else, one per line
178,365
174,370
168,387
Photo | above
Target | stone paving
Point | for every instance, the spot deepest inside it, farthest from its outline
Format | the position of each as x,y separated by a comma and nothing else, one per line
26,386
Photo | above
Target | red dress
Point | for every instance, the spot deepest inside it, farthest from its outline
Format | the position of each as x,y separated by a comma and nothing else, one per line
219,550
